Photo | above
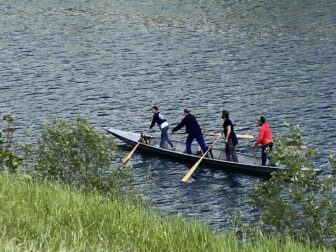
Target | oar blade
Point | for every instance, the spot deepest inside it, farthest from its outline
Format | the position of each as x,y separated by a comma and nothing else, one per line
125,159
191,171
129,155
244,136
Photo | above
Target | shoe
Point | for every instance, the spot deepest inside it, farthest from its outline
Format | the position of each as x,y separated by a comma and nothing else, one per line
174,148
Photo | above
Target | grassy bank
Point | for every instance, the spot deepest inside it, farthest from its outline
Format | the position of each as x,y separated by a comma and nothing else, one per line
43,216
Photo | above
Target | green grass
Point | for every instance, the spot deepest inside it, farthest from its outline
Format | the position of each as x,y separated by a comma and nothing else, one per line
44,216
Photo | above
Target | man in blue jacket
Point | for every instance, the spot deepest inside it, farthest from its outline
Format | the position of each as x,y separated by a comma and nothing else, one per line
163,125
192,129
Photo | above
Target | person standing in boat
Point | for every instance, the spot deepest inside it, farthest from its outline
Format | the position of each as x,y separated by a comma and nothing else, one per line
192,129
163,125
264,139
230,138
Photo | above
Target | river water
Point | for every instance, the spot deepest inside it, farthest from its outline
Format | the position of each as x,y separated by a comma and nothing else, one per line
112,60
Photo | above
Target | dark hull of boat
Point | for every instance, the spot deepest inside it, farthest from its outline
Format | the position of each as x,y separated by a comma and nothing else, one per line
227,166
260,171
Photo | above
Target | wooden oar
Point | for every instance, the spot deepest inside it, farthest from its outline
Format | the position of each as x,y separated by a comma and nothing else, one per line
244,136
241,136
129,155
192,169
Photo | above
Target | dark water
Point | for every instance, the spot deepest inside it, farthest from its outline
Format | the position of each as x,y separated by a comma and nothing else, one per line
112,60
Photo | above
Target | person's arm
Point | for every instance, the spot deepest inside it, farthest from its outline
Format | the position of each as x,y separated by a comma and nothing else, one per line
228,128
179,126
153,122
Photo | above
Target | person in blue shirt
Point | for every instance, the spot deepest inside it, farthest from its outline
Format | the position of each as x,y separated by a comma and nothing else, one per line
192,129
163,125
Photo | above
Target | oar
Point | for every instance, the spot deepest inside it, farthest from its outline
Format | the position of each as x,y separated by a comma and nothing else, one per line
241,136
129,155
192,169
244,136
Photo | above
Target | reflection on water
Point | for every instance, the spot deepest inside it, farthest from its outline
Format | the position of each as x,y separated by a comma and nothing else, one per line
112,60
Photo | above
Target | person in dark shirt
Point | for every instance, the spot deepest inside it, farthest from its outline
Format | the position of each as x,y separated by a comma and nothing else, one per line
163,125
192,129
230,138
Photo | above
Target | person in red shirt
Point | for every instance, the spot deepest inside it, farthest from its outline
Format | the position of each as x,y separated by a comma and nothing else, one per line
264,139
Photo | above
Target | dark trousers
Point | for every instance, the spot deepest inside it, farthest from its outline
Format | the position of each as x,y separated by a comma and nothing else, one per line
230,151
264,155
200,141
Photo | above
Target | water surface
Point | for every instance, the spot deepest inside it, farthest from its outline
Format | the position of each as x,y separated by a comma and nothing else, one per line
112,60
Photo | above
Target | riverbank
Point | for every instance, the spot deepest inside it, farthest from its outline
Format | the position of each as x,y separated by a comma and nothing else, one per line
44,216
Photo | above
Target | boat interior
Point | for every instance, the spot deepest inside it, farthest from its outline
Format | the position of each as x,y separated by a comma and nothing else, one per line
215,153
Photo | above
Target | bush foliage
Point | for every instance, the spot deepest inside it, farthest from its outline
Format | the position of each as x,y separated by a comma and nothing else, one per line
75,153
8,159
294,202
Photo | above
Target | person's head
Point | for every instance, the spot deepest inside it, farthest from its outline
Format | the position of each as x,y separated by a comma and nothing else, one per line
225,114
155,109
261,120
186,111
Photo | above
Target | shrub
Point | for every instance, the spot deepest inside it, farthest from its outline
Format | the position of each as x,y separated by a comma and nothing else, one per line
8,159
77,154
294,202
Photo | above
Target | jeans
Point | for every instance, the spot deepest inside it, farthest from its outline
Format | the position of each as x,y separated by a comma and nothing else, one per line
164,137
199,139
264,154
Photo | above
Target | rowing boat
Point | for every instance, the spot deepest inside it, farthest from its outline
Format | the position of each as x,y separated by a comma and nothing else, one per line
248,164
